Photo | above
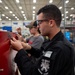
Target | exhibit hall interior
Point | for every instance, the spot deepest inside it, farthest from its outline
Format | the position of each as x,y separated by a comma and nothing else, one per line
18,15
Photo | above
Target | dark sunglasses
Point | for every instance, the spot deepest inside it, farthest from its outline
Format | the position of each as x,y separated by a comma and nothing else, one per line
40,21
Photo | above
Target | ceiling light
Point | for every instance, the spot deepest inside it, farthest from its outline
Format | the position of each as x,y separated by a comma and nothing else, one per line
9,19
10,11
20,7
66,12
71,15
67,17
63,19
34,7
66,1
23,14
22,11
33,18
62,14
6,7
17,18
34,14
13,14
50,1
60,7
0,1
33,11
25,18
6,17
0,19
72,8
17,1
34,1
3,15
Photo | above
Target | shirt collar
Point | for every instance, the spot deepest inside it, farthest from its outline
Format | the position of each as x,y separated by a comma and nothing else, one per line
58,36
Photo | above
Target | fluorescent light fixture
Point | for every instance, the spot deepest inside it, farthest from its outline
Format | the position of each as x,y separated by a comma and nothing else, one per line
25,18
34,1
0,1
63,19
9,19
0,19
10,12
17,18
50,1
6,17
71,15
66,1
67,17
66,12
62,14
6,7
23,14
33,14
34,7
33,17
13,14
20,7
60,7
3,15
33,11
22,11
17,1
72,8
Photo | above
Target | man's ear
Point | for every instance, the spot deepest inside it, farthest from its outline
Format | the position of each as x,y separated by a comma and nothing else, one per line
51,23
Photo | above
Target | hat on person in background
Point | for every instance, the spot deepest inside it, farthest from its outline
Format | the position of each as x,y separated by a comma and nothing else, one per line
32,24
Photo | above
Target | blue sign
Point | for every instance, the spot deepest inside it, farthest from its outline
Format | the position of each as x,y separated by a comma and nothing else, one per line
67,35
15,23
8,28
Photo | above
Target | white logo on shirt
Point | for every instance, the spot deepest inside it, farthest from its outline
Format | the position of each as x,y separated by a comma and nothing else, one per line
45,65
48,54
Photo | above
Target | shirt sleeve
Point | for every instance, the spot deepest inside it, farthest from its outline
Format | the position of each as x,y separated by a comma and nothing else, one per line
27,39
24,63
38,42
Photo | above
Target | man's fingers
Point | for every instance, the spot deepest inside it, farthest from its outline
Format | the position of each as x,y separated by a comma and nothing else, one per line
13,39
18,35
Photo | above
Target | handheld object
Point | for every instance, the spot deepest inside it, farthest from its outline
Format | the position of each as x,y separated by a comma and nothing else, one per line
9,36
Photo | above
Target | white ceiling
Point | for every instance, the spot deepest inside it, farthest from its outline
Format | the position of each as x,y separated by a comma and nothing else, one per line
27,7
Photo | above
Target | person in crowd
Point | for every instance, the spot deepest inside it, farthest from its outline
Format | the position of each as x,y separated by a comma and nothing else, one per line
18,31
36,39
55,55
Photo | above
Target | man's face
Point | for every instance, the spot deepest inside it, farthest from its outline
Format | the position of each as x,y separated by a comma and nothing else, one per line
43,24
33,30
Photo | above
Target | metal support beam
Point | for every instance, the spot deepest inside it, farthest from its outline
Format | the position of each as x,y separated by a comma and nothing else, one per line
64,11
